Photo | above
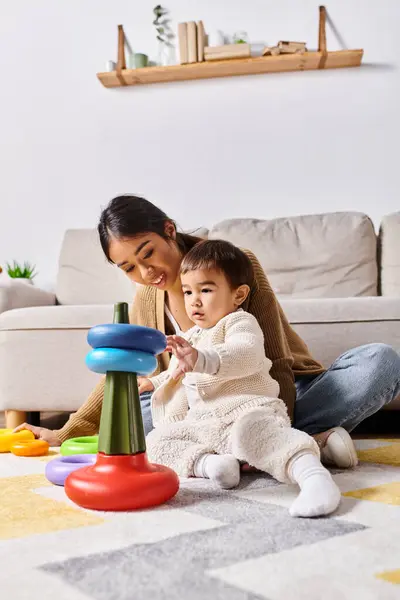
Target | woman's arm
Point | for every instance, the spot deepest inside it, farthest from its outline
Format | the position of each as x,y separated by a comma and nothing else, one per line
86,420
264,306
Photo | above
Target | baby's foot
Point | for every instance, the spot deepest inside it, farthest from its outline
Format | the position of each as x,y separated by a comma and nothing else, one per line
223,469
319,495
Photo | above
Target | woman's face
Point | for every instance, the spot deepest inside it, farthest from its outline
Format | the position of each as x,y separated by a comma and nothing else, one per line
148,258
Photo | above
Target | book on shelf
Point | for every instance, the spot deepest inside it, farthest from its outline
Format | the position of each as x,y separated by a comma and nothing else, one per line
182,42
201,41
191,41
291,47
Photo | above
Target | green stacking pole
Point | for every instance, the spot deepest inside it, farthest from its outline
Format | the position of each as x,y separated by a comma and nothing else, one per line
121,425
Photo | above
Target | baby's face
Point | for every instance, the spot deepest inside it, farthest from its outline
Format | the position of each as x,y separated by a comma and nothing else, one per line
208,297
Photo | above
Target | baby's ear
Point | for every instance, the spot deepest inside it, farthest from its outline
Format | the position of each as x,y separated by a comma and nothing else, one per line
241,294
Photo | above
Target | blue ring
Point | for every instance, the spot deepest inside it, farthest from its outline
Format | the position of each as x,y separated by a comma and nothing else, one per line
102,360
128,337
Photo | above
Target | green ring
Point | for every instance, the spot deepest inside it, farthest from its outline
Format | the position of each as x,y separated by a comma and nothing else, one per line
80,445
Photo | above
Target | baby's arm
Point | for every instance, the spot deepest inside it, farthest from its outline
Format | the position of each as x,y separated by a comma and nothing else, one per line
158,380
242,352
190,359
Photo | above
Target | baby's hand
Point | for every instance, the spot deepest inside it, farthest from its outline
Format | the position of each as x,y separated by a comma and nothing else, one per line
184,352
145,385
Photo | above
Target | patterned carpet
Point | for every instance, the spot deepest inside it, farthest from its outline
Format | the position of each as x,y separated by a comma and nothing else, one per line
206,543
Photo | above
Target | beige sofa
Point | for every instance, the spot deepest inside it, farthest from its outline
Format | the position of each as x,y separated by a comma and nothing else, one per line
338,282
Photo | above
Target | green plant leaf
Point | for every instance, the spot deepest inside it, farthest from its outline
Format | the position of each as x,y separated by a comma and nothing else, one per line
17,271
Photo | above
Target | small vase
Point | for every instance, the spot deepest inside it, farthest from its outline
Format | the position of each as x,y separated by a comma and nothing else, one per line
164,58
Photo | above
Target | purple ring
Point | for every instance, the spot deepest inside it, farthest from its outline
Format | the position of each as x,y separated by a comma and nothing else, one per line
58,469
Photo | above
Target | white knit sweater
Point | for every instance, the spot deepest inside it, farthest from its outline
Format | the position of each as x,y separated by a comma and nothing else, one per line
243,378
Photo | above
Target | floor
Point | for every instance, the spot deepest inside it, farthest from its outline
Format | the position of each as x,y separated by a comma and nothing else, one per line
386,424
206,542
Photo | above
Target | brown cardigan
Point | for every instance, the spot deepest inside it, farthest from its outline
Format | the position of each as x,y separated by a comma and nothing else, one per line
289,354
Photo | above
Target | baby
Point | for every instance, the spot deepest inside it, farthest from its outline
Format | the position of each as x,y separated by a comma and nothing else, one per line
217,404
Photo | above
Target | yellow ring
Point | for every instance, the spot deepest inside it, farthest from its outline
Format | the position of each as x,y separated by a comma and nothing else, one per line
7,438
30,448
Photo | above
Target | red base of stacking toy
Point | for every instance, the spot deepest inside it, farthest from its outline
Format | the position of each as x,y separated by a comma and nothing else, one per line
122,482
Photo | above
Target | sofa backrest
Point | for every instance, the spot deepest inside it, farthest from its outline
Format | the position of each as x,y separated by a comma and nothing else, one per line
327,255
312,256
85,276
389,250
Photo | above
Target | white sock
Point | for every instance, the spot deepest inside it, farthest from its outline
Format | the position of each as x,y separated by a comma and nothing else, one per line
319,494
223,469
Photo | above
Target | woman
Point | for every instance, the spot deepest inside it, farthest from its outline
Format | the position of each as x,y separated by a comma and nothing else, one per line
141,240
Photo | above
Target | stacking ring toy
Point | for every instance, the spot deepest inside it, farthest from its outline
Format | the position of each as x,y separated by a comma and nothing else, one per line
101,360
58,469
30,448
128,337
122,478
8,438
80,445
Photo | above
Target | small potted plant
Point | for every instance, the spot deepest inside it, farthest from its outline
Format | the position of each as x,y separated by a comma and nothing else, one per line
25,272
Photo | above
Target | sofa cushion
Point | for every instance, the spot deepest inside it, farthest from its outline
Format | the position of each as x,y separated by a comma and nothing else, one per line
17,294
330,327
313,256
85,276
389,245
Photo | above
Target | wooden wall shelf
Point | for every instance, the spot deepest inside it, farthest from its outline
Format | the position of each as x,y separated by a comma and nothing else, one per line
227,68
309,61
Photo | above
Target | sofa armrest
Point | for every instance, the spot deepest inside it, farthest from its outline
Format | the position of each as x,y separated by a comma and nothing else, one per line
389,257
41,318
19,294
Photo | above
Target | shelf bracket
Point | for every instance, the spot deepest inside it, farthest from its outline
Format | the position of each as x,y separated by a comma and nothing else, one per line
322,37
121,64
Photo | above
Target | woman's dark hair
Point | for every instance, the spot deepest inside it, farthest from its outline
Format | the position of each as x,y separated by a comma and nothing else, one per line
222,256
127,216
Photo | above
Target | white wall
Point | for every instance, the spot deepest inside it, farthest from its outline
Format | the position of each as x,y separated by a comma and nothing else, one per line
263,146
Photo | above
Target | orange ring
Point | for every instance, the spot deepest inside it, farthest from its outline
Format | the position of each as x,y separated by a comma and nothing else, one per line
30,448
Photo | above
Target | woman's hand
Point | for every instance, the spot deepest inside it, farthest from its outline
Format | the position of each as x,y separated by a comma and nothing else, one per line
145,385
185,354
41,433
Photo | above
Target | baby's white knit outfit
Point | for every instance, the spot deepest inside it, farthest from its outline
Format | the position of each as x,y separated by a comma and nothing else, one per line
228,405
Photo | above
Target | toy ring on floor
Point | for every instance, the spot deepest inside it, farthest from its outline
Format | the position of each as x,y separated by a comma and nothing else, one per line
8,438
103,360
80,445
128,337
30,448
58,469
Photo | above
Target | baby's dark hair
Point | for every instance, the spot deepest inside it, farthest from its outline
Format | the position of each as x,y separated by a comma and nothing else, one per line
222,256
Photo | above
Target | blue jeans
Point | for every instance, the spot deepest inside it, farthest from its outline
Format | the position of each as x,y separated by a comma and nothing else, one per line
354,387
